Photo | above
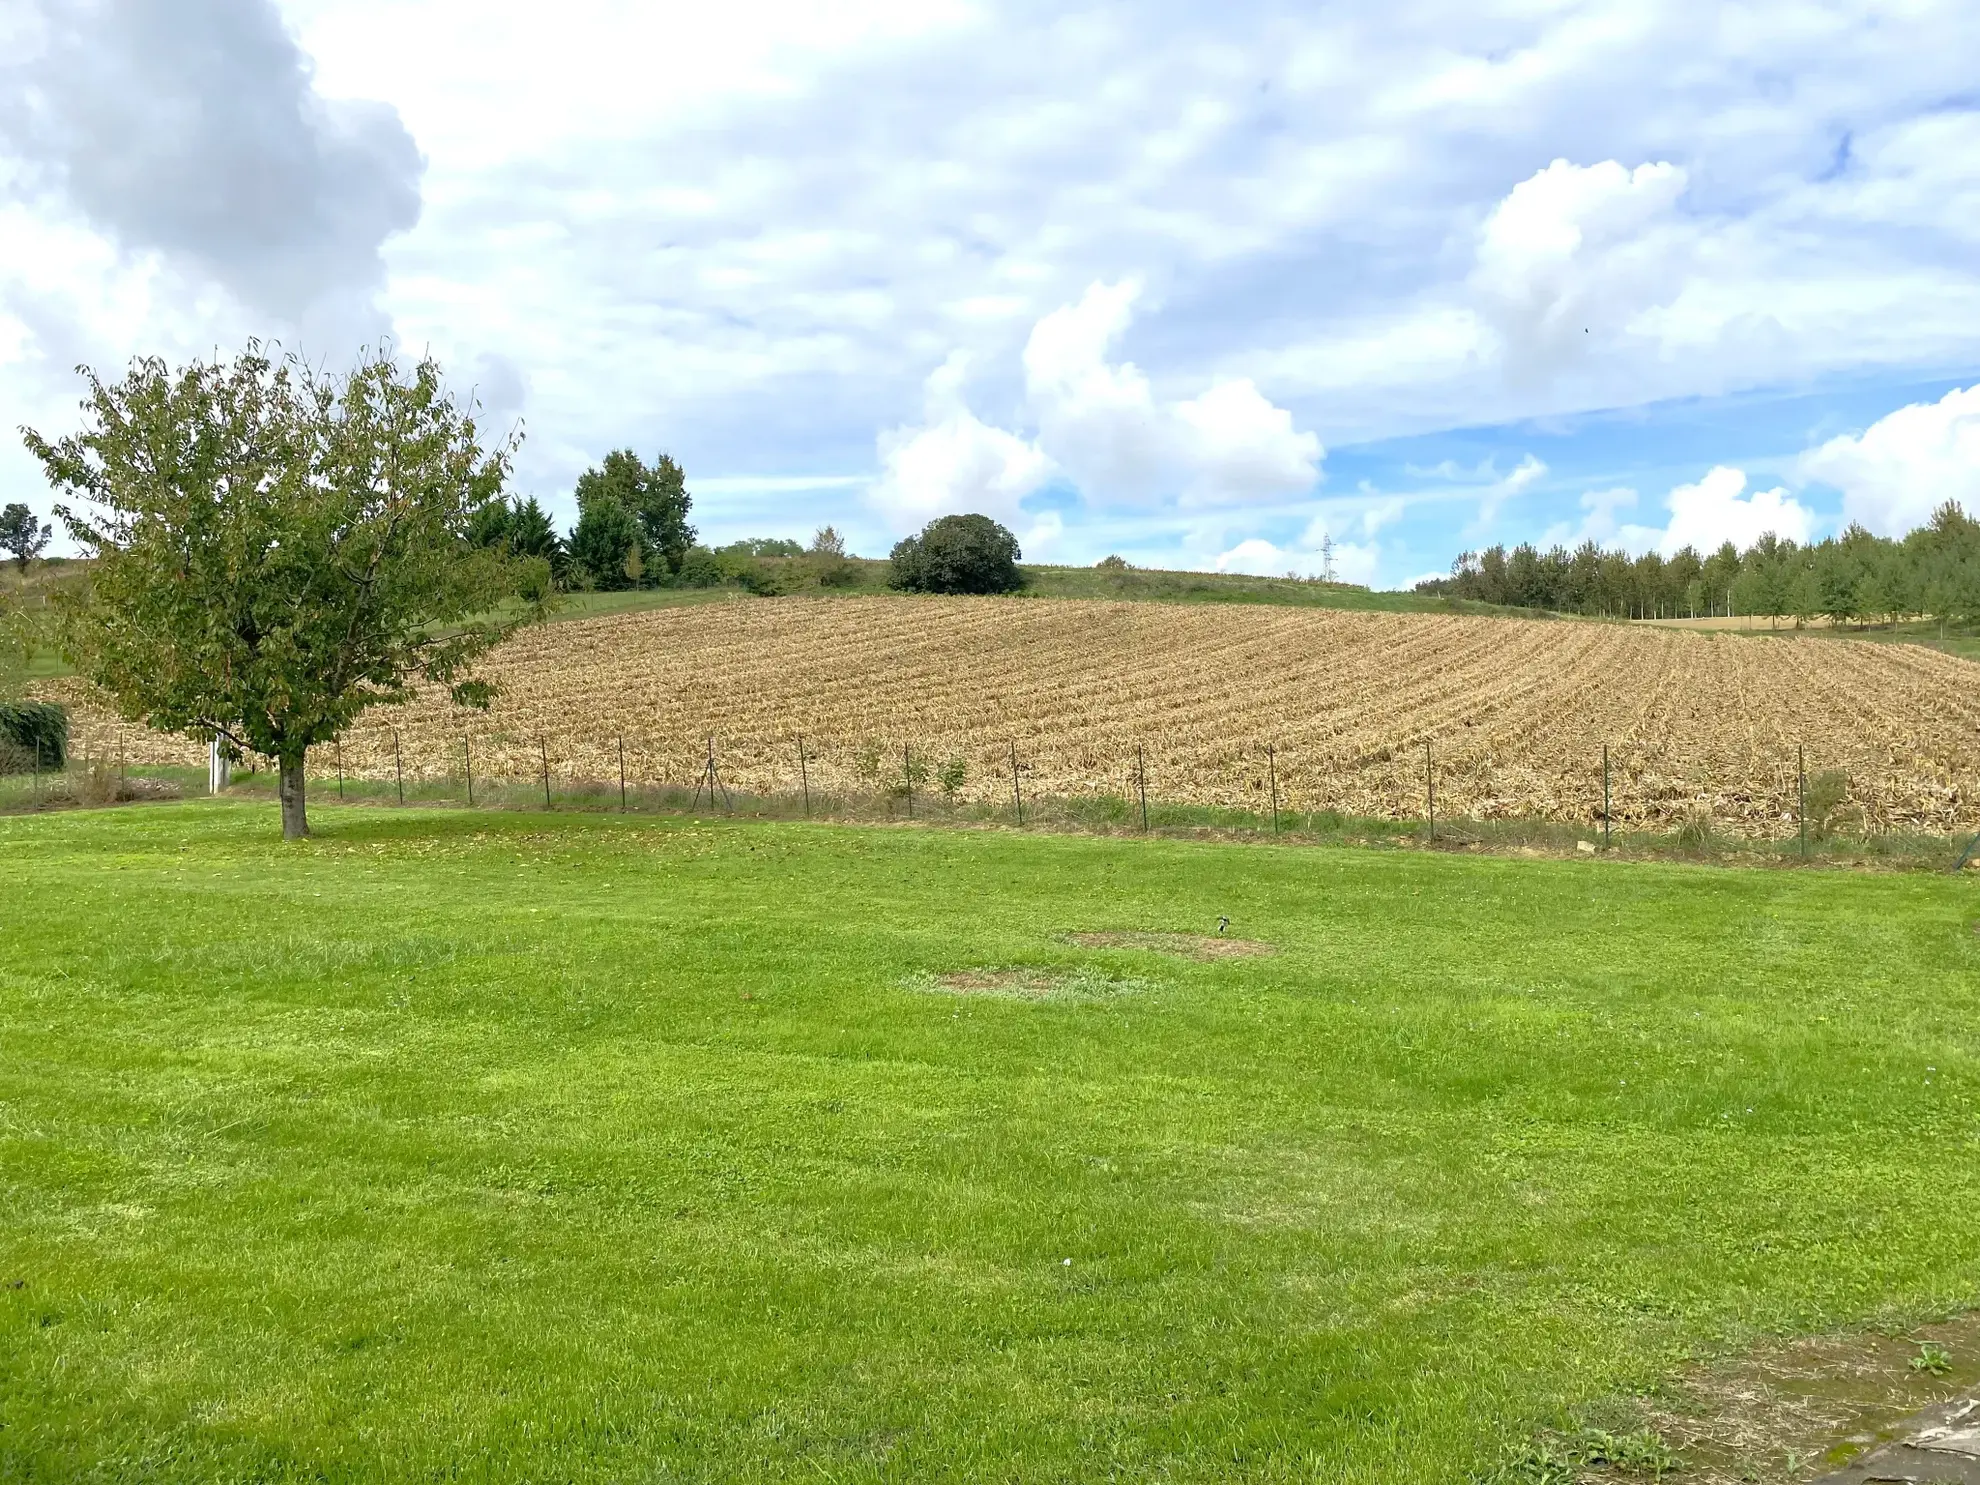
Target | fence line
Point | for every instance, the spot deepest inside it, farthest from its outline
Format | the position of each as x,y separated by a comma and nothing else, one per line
1798,801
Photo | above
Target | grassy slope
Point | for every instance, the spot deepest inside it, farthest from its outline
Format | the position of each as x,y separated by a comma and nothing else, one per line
515,1147
1134,585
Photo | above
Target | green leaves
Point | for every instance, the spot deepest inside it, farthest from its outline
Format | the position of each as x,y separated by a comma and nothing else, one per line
276,550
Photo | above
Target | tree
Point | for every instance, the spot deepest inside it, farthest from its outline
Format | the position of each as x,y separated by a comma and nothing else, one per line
521,526
958,554
277,551
21,535
828,559
608,545
654,495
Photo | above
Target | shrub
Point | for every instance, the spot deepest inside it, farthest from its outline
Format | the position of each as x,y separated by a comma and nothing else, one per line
958,554
829,562
699,569
1112,563
951,776
35,729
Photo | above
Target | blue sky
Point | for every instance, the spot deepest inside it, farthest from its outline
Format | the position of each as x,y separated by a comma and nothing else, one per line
1195,284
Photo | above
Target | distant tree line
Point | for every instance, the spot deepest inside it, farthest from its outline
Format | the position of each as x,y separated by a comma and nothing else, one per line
1853,578
632,531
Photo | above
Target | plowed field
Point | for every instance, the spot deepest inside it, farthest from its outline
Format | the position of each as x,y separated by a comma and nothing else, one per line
1515,713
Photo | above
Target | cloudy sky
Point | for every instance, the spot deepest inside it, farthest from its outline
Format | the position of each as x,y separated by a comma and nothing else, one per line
1198,284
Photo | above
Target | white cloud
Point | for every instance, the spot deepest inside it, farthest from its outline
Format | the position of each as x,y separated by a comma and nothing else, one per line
1717,510
954,463
1351,562
1904,465
1103,423
1573,254
1238,446
1100,419
1528,472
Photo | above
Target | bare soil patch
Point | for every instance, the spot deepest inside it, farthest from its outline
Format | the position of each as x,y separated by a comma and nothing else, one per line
1030,983
1199,946
1796,1410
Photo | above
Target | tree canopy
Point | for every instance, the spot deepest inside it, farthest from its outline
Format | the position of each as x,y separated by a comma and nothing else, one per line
1852,577
276,551
957,554
22,535
632,526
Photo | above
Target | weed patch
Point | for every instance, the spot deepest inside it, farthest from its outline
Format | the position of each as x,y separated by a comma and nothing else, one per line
1204,947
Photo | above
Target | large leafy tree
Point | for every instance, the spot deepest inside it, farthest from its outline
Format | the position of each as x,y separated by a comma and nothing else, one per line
22,535
957,554
655,496
278,551
607,544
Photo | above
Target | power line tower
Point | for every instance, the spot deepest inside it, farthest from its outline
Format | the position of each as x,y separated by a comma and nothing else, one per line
1326,557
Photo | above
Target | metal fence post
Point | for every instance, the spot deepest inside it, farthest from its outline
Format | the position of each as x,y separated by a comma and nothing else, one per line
1801,797
907,777
1017,793
399,764
467,753
1141,783
804,776
543,748
340,768
1606,839
1272,773
622,773
1430,787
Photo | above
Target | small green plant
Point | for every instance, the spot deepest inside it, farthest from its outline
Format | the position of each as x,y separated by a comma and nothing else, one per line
1932,1361
1827,794
951,776
1560,1461
912,777
866,764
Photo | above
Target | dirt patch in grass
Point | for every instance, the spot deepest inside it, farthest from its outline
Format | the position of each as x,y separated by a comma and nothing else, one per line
1199,946
1029,983
1795,1410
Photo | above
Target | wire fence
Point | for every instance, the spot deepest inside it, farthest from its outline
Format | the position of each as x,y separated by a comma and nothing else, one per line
1269,789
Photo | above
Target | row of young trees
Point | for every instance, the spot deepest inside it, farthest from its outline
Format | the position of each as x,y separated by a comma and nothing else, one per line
1854,578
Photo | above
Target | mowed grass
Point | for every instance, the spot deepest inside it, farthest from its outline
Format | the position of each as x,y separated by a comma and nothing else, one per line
512,1147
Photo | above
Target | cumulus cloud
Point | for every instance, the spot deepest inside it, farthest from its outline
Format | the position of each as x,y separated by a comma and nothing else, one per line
1102,421
1573,254
1100,425
1718,509
1350,562
1904,465
953,462
193,129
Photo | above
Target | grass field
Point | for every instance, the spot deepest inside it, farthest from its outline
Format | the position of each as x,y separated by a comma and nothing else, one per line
454,1146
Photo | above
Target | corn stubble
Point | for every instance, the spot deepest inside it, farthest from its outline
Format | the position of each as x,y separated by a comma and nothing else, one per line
1516,712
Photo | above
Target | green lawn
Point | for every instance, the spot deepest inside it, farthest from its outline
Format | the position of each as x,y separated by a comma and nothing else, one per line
519,1147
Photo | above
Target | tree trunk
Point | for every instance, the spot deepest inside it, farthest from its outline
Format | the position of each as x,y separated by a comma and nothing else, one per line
295,823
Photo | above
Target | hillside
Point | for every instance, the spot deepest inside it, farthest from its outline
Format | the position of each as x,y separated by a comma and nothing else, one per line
1516,712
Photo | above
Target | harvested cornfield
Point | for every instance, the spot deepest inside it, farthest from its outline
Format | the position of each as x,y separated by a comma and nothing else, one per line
1515,713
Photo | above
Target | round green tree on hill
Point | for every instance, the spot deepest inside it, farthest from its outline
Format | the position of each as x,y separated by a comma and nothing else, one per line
957,554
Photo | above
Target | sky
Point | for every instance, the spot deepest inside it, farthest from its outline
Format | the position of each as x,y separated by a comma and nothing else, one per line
1201,285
